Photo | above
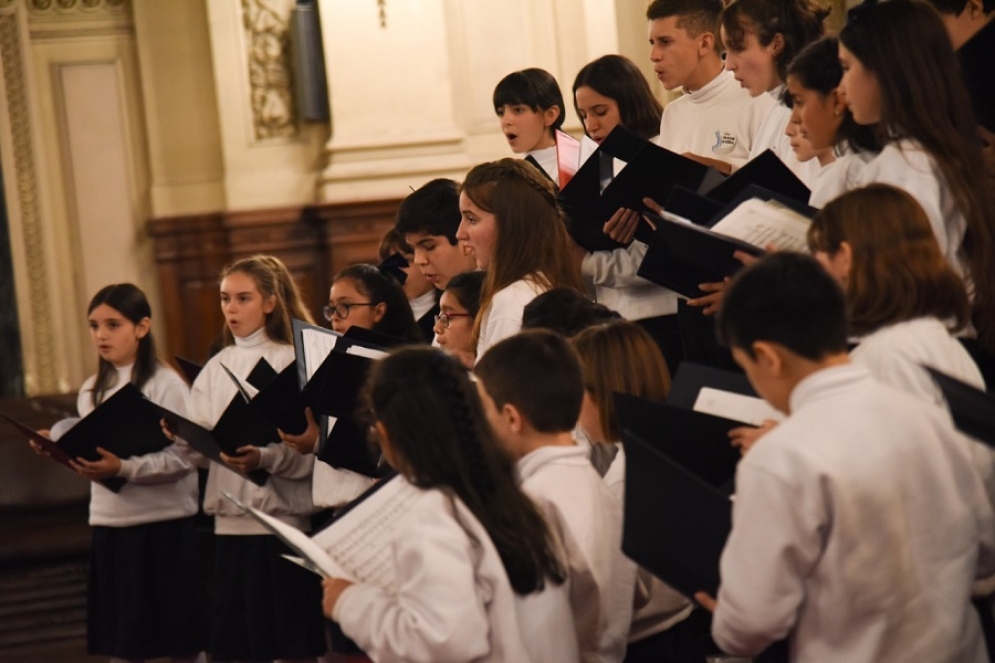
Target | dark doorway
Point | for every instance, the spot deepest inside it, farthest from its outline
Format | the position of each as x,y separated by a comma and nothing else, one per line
11,361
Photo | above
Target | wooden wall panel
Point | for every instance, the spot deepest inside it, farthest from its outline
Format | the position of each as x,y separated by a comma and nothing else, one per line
315,242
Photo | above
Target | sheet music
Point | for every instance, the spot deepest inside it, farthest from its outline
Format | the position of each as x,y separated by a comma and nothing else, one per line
360,540
317,345
748,409
369,353
762,222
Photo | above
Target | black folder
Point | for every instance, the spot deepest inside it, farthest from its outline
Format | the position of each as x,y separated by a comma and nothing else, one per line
279,400
126,424
189,369
681,256
653,173
693,206
335,387
675,523
765,170
372,339
975,57
347,446
585,208
973,410
691,378
698,441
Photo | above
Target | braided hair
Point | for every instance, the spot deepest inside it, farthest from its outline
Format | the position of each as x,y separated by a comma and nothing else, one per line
441,439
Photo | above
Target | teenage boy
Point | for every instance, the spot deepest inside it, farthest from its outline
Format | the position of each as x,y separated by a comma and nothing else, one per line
531,387
859,523
428,220
716,119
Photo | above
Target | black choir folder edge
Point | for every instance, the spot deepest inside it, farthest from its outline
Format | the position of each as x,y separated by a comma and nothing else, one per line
366,525
675,523
126,424
973,410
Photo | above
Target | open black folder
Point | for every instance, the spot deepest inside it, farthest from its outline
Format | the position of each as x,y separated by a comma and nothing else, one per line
698,441
765,170
973,410
279,401
691,378
585,208
126,424
347,446
675,523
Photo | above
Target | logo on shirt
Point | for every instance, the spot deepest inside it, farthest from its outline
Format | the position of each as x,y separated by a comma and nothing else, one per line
725,143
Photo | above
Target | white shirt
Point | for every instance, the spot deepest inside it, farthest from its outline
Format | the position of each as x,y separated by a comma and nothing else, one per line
613,274
586,518
546,158
287,493
454,601
503,318
836,178
772,137
720,121
858,526
422,304
906,165
162,485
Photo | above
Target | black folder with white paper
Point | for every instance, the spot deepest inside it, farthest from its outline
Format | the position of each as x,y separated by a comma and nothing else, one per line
698,441
675,522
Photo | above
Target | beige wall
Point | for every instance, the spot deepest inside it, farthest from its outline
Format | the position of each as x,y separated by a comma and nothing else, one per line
113,112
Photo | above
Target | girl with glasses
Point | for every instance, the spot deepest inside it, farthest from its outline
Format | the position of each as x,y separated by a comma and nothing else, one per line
362,296
454,324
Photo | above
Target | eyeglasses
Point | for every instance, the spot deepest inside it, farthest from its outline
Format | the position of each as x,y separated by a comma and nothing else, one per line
341,310
444,318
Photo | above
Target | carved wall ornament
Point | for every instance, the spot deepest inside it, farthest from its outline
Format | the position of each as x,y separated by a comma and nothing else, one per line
267,24
26,182
65,6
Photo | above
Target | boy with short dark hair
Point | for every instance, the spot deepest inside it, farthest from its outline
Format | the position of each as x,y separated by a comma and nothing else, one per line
427,221
531,386
859,523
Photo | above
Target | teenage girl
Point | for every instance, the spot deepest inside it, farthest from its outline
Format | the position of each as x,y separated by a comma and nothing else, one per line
264,607
512,224
459,306
529,106
821,126
482,579
900,73
145,596
362,296
761,37
608,92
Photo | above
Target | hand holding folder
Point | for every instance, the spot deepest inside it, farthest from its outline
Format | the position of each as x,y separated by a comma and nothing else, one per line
124,425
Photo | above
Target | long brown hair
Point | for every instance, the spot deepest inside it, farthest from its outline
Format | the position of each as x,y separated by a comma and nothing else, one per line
923,98
273,279
618,78
532,239
620,357
898,272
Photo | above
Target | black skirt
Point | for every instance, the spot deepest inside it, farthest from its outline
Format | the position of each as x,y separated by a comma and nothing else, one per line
146,597
265,607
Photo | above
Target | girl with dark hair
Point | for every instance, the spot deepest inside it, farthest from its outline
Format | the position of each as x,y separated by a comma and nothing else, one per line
459,306
821,126
915,97
610,91
513,226
530,108
144,535
363,296
483,580
264,609
761,37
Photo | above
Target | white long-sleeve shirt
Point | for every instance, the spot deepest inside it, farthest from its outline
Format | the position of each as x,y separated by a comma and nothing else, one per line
503,318
837,177
287,493
859,525
585,516
454,601
162,485
906,165
771,136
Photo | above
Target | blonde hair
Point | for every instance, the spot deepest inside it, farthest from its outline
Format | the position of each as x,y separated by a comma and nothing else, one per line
272,279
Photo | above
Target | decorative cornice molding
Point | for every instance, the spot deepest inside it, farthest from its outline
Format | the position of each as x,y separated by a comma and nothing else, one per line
267,27
46,379
65,6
